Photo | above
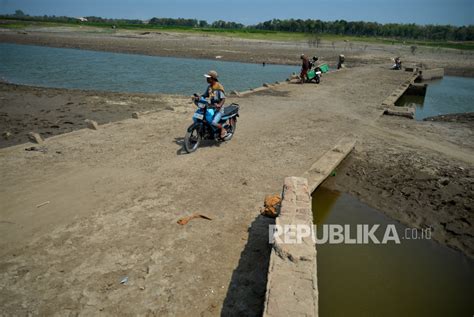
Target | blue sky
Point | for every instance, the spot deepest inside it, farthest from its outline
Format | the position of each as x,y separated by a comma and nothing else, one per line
455,12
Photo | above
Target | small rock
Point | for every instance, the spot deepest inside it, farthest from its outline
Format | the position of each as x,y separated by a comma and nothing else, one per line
6,135
91,124
444,181
135,115
234,93
35,137
41,149
266,85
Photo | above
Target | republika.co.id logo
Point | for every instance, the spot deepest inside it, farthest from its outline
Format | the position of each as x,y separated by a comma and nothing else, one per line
344,234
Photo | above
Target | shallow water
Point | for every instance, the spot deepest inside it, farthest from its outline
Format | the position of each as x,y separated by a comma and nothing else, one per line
448,95
414,278
91,70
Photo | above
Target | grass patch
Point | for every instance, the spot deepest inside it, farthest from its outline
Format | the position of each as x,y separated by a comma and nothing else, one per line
251,34
17,25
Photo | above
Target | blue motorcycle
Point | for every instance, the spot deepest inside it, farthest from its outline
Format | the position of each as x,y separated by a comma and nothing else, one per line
202,129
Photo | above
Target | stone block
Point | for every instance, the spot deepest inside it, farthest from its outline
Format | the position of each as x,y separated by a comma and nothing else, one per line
91,124
35,137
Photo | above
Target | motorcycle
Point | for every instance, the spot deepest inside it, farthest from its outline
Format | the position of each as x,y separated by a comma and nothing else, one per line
202,128
398,64
314,72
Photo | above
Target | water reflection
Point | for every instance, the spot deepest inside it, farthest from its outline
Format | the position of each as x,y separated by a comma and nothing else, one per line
414,278
449,95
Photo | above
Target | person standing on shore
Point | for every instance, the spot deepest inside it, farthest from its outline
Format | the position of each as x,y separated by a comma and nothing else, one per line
340,62
304,68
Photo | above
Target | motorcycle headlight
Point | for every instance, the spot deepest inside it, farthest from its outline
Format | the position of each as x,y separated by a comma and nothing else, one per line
201,105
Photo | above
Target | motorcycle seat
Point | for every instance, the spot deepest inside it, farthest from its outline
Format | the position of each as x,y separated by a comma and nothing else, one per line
231,110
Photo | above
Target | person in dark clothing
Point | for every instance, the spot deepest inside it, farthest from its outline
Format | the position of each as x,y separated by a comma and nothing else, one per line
340,62
304,68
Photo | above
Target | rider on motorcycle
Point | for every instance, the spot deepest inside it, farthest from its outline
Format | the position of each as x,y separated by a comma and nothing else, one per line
215,93
313,62
398,63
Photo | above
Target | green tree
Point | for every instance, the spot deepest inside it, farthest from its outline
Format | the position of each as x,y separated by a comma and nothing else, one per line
19,13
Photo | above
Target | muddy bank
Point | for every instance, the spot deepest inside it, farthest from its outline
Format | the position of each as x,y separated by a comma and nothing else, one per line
419,188
50,111
467,118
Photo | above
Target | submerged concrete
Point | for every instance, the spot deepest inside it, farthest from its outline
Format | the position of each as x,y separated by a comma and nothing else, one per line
430,74
389,102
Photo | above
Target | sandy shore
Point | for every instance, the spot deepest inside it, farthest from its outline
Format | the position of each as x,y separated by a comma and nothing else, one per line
455,62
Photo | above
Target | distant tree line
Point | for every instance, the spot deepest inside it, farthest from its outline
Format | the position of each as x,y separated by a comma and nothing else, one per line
339,27
195,23
392,30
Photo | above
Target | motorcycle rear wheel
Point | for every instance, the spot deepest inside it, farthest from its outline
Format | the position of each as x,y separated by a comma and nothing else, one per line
192,139
231,129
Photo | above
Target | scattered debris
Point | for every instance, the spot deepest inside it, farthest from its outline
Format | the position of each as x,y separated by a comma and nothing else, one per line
8,222
124,280
41,149
272,205
185,220
42,204
6,135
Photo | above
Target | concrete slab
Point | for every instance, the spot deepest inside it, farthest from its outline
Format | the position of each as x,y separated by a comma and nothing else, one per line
320,170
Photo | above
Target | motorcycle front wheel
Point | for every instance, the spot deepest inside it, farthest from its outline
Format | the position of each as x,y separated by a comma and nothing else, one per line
192,139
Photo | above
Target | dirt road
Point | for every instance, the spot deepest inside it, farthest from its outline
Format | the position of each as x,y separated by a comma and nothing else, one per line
115,195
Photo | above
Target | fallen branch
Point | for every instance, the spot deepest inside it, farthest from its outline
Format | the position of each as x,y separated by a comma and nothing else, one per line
185,220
